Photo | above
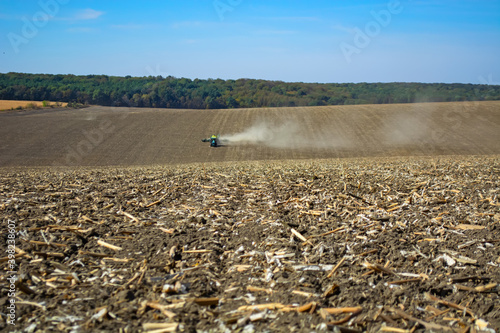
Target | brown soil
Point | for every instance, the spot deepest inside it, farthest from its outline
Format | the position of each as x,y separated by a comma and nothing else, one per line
126,222
103,136
413,243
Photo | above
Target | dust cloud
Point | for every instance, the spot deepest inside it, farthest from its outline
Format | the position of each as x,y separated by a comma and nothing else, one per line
288,134
405,129
264,133
410,127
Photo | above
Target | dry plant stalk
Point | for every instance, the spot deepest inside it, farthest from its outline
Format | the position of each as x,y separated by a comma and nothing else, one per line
478,289
258,289
336,267
428,326
299,236
449,304
260,307
334,311
164,309
378,268
109,246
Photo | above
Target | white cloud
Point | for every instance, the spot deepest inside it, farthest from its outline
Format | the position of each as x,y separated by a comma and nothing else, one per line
80,15
87,14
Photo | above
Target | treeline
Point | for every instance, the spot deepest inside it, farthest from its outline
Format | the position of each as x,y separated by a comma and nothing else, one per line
171,92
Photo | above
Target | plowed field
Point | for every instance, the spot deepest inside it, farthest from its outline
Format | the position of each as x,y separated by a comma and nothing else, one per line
344,219
100,136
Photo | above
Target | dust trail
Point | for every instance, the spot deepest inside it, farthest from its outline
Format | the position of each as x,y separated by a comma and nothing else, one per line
264,133
409,128
289,134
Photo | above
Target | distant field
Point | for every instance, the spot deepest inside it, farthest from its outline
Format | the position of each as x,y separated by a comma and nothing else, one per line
100,136
9,105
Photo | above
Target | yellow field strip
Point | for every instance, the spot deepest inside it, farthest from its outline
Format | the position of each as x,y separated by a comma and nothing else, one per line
9,105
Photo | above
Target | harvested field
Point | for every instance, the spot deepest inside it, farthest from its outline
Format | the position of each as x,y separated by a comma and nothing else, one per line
350,218
391,245
8,105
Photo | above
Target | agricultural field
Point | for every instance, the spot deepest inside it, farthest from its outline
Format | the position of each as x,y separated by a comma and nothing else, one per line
347,219
105,136
13,105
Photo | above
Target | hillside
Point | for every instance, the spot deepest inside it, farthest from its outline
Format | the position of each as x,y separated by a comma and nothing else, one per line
98,136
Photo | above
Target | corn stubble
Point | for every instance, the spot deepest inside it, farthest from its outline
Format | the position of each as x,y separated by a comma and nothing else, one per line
392,245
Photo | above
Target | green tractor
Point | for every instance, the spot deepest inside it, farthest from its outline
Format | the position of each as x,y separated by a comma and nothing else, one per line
214,141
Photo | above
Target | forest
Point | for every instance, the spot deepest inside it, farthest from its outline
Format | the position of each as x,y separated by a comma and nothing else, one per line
171,92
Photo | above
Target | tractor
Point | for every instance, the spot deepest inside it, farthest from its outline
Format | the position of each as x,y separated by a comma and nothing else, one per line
214,141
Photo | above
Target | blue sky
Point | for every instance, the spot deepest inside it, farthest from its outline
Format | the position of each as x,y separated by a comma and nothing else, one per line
289,40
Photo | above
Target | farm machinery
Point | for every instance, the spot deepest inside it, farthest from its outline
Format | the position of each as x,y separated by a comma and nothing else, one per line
214,141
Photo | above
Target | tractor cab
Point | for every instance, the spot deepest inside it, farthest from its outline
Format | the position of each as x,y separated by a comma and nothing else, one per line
214,141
